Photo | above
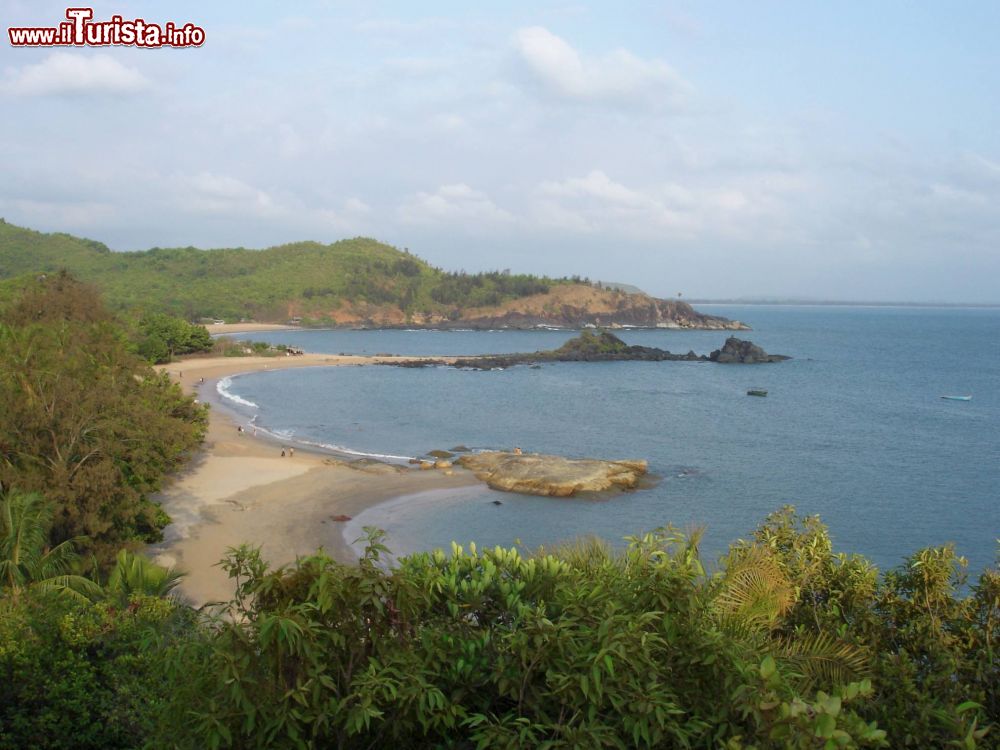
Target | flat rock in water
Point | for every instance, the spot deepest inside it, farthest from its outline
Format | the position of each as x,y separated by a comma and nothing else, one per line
553,476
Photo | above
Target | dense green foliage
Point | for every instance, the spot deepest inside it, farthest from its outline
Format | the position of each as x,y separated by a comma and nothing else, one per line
786,645
77,659
307,279
160,337
83,420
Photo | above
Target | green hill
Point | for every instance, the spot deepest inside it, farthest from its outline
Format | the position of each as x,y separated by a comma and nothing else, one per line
305,279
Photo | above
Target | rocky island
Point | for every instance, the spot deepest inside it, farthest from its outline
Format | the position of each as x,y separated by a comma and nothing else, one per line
552,476
601,346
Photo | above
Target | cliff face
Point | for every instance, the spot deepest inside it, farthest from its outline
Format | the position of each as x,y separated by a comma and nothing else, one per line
566,305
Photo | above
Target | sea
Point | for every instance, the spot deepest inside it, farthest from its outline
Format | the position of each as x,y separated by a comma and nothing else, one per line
853,429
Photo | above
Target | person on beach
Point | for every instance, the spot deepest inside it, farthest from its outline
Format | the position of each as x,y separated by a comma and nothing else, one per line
255,431
517,451
282,452
239,428
291,453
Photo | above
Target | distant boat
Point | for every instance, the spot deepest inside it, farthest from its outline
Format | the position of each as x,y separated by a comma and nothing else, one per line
756,392
957,398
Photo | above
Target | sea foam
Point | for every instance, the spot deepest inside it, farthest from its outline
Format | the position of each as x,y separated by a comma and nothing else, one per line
222,387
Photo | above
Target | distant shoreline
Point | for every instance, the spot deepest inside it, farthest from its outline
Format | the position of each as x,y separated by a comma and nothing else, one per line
806,303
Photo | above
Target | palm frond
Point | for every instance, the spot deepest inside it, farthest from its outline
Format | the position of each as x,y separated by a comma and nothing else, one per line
75,587
823,660
753,591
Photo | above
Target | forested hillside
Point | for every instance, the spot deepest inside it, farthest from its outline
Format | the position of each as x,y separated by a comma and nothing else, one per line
358,282
304,278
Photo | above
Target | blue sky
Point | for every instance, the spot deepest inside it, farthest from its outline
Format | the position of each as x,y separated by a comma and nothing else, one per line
828,150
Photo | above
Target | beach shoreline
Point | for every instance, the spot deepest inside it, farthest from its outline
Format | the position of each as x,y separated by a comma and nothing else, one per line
240,489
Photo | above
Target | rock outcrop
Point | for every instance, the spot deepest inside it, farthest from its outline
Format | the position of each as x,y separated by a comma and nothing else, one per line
579,305
564,306
553,476
738,352
603,347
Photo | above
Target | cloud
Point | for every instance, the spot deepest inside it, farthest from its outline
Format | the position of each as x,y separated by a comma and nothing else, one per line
597,203
452,203
68,73
222,194
618,76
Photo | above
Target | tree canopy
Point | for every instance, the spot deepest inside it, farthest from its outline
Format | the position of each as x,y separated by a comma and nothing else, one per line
309,278
83,420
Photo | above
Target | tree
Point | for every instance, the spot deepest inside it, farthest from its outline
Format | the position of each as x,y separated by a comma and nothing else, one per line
26,560
87,423
134,575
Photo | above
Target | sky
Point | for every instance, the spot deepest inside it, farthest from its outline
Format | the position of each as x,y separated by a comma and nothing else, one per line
817,150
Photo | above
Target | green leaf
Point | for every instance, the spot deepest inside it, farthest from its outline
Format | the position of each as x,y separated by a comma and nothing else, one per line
768,667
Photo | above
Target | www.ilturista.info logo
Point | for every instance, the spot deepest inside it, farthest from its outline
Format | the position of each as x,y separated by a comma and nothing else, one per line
81,30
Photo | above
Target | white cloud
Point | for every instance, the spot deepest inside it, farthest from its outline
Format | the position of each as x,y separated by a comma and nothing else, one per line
617,76
452,203
222,194
73,73
357,206
595,203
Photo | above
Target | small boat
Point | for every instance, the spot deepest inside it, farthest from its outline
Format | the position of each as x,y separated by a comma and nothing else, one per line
957,398
756,392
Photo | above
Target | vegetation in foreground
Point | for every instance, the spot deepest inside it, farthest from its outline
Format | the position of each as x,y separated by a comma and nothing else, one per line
786,645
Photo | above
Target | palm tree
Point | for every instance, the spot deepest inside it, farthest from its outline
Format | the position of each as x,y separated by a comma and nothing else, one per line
750,597
134,574
26,560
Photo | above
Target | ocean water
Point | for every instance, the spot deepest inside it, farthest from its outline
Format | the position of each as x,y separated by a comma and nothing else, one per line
853,429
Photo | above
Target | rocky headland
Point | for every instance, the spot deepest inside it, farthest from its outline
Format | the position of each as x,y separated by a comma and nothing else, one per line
601,346
571,306
552,476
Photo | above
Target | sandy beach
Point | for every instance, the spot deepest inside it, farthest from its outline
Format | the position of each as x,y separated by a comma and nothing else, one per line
219,329
240,489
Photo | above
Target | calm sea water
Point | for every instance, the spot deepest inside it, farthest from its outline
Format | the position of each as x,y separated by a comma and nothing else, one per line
854,428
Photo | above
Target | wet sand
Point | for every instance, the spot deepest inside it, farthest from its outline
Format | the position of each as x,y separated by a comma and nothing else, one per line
240,489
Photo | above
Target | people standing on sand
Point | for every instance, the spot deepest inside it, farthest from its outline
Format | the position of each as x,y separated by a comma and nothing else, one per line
291,453
282,452
239,428
255,431
517,451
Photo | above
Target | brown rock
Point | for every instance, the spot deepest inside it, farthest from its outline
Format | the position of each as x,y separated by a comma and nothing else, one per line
554,476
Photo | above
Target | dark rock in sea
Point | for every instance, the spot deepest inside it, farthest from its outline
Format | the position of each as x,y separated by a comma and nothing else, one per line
602,346
459,449
737,351
497,502
440,454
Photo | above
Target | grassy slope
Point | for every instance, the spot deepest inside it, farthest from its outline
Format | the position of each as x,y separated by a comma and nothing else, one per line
236,282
